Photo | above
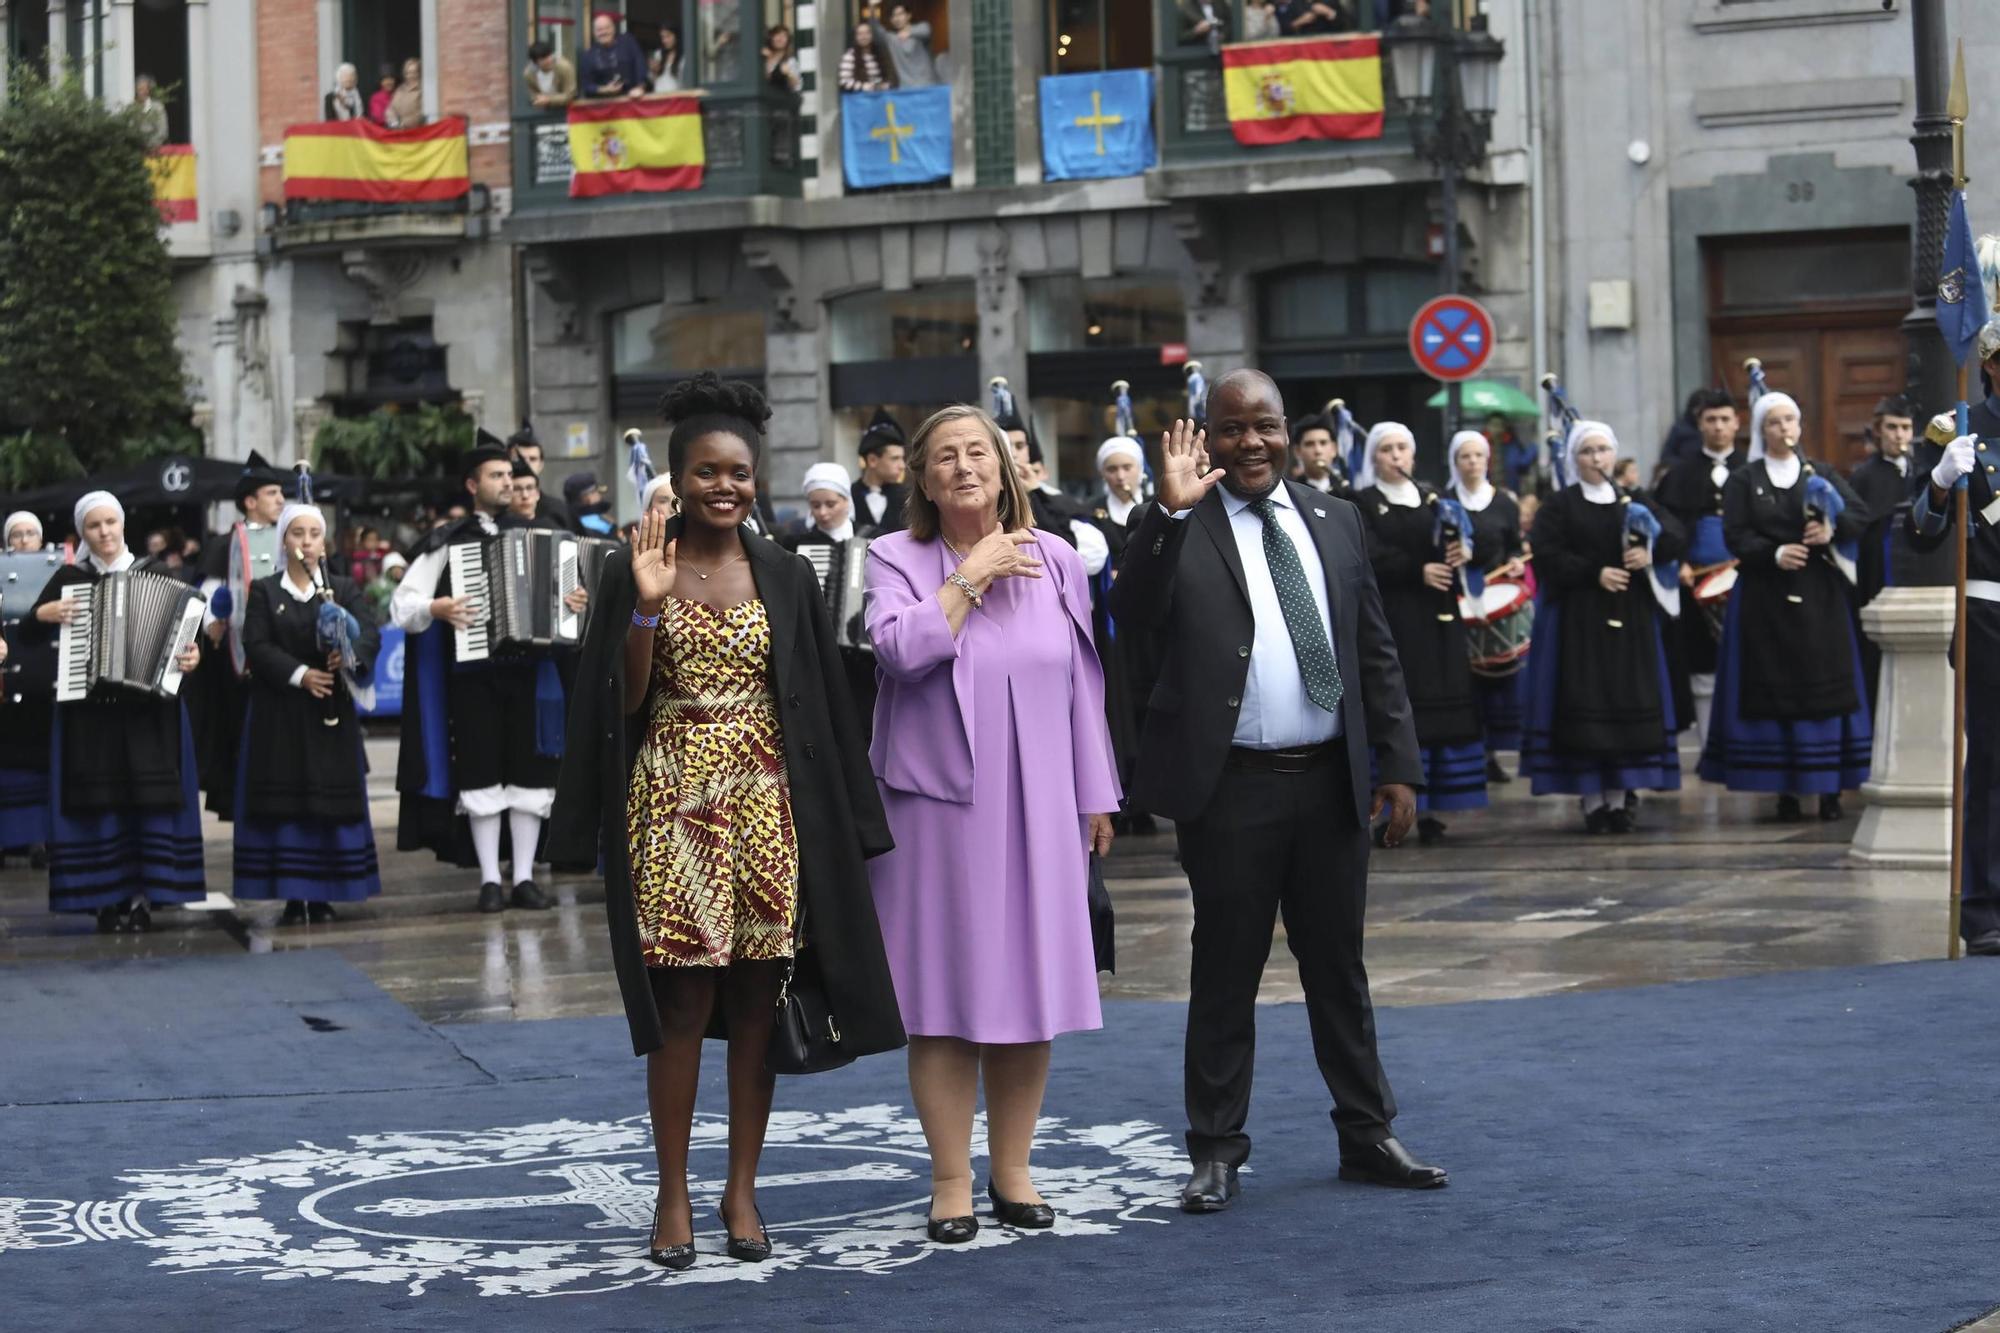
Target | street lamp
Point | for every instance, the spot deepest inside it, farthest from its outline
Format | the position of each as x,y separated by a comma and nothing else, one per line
1448,83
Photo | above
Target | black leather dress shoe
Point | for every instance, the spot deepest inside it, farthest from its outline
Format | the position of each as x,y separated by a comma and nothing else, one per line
1430,830
951,1230
1829,808
675,1257
529,897
320,913
1388,1163
1788,810
1984,946
492,898
1210,1189
294,913
1026,1216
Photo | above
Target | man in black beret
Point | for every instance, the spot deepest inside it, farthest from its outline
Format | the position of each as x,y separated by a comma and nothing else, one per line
881,490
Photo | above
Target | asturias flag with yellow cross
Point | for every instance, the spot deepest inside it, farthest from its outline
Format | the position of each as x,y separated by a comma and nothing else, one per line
635,145
1304,88
1097,125
898,137
360,161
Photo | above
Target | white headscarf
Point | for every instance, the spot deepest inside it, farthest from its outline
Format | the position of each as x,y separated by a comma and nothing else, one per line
293,512
1761,409
1459,441
20,518
1120,445
827,477
94,500
1578,433
653,488
1377,433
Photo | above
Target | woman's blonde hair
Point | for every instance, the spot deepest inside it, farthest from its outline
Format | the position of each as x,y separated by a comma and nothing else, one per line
920,512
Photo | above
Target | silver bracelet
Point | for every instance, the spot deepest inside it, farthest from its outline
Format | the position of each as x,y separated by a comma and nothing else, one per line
964,585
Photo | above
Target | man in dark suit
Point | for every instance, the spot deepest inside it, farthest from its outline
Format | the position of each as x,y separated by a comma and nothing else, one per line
1257,743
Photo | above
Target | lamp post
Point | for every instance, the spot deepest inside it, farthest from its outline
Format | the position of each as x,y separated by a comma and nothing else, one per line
1932,374
1448,84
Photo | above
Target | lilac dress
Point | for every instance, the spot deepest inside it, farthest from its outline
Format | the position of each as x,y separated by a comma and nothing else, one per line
992,752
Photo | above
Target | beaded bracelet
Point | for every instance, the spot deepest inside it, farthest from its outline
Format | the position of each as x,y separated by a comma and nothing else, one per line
964,585
646,622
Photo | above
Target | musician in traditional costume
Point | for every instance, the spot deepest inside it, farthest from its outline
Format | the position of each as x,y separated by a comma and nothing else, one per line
1600,700
659,494
1121,466
124,819
1499,554
829,499
1691,491
881,491
1318,455
1127,653
1789,714
482,739
527,495
1882,483
1932,521
1418,551
1053,511
220,691
27,683
302,828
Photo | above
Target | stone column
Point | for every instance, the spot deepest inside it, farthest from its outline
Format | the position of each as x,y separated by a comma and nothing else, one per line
327,30
427,41
196,92
1908,819
58,38
121,65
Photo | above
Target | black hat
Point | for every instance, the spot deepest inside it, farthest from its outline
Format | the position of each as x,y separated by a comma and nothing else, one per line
1013,422
256,475
577,483
521,469
525,435
882,431
477,458
1895,405
1311,421
486,439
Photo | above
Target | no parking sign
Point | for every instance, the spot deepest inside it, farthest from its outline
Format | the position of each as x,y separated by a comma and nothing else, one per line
1451,338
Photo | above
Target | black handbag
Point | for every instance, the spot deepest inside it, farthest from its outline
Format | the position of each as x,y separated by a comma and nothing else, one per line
1103,945
805,1039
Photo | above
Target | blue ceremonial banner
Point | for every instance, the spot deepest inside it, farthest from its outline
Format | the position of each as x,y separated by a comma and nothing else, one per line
1097,125
899,137
388,676
1961,294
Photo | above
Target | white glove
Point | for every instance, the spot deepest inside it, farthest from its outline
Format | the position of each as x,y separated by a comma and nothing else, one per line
1957,462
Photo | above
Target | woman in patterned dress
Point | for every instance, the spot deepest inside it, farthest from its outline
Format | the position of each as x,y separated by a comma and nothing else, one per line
743,796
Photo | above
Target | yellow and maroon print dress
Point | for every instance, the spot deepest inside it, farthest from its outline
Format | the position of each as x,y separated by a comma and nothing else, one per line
715,864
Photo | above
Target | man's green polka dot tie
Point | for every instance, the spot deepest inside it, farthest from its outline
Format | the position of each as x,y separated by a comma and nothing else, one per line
1302,621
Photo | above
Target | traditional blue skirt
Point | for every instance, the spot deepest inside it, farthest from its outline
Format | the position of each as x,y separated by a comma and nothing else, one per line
24,808
100,858
1502,707
1822,757
1554,773
311,860
1454,778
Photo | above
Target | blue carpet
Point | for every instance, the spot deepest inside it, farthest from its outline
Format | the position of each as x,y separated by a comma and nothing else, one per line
1801,1151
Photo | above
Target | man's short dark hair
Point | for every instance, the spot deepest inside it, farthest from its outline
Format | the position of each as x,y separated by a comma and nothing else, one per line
1708,400
540,50
1895,405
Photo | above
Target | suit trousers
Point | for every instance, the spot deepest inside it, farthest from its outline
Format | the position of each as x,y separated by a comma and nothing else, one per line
1271,844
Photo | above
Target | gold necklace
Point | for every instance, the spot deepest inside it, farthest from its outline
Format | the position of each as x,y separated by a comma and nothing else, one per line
717,570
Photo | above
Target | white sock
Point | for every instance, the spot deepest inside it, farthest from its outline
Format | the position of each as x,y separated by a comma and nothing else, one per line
486,842
526,828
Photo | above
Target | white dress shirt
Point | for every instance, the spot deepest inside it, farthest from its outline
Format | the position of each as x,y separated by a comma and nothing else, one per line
1118,510
410,604
876,501
1277,714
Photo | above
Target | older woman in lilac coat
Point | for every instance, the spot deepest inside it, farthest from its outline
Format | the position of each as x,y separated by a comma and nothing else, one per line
996,771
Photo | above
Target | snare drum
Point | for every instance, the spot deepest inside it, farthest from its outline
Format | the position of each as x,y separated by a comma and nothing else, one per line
1499,626
1712,587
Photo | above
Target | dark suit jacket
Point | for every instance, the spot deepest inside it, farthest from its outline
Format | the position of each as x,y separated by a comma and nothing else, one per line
1185,580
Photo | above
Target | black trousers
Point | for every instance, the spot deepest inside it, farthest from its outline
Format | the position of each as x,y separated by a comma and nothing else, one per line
1979,912
1274,844
492,709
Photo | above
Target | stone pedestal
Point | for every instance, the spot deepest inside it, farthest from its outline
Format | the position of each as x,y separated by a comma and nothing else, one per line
1908,819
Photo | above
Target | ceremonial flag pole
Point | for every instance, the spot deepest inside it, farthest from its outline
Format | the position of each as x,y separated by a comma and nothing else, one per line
1957,107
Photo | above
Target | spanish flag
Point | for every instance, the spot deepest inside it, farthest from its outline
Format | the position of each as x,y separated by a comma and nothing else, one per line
1304,88
358,160
172,167
635,145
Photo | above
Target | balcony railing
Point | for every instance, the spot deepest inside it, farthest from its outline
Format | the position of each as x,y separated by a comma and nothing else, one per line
750,143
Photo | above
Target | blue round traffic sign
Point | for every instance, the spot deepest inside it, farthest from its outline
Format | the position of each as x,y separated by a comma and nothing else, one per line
1451,338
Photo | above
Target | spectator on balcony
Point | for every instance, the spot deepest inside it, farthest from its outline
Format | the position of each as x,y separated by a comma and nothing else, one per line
664,63
1260,20
908,46
406,105
551,80
345,101
781,63
1205,23
1308,18
152,115
614,66
385,92
862,69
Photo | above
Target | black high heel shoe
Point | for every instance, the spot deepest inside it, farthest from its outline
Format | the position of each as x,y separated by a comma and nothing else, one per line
1026,1216
675,1257
748,1249
951,1230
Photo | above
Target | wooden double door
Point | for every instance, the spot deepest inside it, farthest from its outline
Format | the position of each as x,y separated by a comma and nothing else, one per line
1838,375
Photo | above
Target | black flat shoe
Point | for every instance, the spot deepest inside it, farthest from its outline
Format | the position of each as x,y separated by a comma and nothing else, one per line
1026,1216
675,1257
1429,830
294,913
320,913
529,897
1388,1163
107,919
1984,946
1495,773
748,1249
951,1230
1829,808
1598,820
1621,820
1788,810
138,917
492,898
1210,1189
38,857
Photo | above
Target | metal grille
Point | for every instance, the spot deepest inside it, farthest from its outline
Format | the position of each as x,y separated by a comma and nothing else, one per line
552,161
1202,107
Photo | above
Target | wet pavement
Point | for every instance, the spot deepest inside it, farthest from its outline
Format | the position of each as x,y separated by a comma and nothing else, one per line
1515,901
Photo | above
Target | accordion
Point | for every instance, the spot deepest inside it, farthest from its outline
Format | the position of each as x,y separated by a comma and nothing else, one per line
127,633
23,575
519,581
841,568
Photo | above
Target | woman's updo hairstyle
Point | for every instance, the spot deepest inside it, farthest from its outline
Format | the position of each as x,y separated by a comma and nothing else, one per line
705,403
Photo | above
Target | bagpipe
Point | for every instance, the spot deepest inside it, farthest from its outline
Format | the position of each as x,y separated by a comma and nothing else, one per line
335,628
1641,525
1563,418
